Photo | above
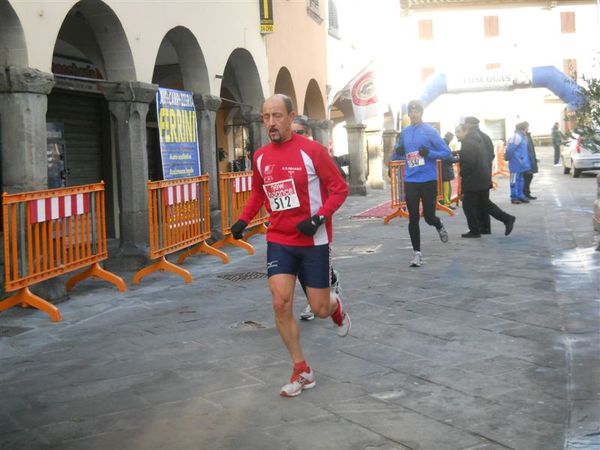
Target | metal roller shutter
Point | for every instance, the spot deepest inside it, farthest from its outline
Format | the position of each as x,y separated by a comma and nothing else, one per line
82,116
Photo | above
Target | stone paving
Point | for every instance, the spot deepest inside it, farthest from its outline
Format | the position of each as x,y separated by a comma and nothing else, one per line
492,344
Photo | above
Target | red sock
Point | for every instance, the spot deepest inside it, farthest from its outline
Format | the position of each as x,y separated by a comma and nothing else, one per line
337,316
301,367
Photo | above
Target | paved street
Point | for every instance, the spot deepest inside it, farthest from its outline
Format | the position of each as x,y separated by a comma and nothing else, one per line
492,344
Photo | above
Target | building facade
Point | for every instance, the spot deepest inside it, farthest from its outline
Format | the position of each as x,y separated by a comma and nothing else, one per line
79,80
490,53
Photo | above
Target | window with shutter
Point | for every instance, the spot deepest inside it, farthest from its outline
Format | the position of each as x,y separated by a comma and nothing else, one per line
567,22
426,71
425,30
490,26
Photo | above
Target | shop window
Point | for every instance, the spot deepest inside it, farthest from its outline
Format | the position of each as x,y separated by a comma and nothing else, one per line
426,71
490,26
570,68
567,22
425,30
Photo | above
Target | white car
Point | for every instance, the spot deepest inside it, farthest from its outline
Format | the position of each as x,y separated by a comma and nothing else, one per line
581,154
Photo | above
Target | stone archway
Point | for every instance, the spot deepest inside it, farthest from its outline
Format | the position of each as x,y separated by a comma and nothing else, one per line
13,51
180,65
285,85
23,105
93,28
314,107
239,122
112,107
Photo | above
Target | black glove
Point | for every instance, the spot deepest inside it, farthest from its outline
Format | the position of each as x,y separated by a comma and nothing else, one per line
310,226
400,151
237,229
423,151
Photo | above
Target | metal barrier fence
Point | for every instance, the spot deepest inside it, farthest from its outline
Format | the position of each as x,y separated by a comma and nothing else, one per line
397,169
235,188
49,233
178,218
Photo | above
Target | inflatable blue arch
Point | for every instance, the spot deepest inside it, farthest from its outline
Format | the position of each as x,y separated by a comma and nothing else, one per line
544,76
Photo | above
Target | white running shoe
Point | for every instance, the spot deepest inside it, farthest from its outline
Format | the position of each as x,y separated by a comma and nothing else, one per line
307,314
443,234
417,260
342,328
298,382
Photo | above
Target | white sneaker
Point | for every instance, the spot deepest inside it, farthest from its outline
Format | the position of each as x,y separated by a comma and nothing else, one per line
417,260
557,165
298,382
443,234
336,287
342,328
307,314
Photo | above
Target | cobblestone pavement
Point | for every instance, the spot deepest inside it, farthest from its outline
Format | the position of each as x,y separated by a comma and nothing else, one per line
492,344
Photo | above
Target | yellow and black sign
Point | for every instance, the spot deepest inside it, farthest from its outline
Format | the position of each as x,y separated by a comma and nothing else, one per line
266,16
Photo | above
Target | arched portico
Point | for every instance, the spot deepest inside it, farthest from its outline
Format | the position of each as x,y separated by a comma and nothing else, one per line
239,122
180,65
22,109
13,51
102,110
285,85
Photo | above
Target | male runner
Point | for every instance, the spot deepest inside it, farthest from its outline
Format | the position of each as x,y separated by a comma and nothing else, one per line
301,187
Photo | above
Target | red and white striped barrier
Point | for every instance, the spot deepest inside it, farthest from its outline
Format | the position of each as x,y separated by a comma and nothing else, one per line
58,207
181,193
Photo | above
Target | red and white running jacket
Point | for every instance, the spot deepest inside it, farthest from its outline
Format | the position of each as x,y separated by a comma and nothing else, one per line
318,183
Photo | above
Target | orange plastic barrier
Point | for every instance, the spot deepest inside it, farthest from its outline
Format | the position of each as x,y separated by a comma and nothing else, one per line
500,164
235,188
178,218
398,194
49,233
397,191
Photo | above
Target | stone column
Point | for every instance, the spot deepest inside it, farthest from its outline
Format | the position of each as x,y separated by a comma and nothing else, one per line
258,135
356,150
23,105
128,102
320,130
389,139
206,114
375,155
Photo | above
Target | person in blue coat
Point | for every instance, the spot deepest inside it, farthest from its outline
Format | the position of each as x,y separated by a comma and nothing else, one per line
517,155
420,145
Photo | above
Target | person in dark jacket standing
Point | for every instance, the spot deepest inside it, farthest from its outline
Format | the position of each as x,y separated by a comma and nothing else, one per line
557,141
476,177
482,214
528,176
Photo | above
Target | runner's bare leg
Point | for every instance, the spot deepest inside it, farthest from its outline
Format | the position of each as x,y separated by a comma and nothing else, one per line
321,302
282,292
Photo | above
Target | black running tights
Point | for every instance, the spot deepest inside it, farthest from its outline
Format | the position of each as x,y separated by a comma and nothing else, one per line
427,194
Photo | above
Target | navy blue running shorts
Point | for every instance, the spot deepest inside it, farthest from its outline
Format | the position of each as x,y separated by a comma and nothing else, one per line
312,264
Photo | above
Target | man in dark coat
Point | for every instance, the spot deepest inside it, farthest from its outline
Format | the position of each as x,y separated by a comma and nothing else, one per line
483,217
476,178
528,176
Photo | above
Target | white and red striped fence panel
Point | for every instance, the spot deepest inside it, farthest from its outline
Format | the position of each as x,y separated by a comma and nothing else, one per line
54,208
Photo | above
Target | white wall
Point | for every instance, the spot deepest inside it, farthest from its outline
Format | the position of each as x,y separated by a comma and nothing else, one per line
219,26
